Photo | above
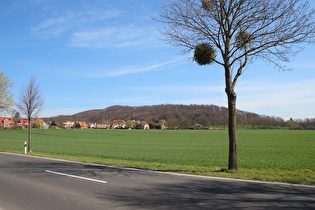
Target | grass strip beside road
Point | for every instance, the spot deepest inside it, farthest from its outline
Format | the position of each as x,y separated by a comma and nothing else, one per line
269,155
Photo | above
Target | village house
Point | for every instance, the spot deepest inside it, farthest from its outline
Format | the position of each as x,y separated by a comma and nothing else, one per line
102,125
143,125
6,122
116,124
160,126
80,125
22,123
91,125
68,124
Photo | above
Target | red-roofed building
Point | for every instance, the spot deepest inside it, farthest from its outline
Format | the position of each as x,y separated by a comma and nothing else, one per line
6,122
80,125
22,123
68,124
117,124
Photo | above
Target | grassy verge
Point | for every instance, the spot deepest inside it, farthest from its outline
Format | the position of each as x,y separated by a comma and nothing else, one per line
270,155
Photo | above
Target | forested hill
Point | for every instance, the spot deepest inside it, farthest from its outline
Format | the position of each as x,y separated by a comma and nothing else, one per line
179,116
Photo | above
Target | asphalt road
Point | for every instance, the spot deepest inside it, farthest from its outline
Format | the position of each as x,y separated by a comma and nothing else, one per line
28,182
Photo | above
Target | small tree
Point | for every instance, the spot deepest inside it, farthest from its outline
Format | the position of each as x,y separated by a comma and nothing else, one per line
53,123
6,97
38,124
30,104
164,122
130,124
289,123
232,33
16,116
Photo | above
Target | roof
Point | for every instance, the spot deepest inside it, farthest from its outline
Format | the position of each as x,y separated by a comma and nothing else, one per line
11,121
68,122
118,121
82,124
23,122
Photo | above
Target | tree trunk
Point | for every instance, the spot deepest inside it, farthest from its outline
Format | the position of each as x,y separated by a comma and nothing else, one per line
232,130
231,95
29,135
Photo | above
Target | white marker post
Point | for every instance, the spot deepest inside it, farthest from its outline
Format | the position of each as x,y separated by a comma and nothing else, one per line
25,151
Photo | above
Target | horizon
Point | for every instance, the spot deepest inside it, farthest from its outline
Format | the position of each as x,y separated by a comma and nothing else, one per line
96,54
262,115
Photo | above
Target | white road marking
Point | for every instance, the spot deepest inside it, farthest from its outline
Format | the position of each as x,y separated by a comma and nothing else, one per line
74,176
163,172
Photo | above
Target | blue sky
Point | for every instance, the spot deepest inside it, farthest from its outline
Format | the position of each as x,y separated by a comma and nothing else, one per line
92,54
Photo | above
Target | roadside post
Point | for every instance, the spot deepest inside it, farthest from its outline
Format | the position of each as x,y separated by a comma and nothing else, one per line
25,144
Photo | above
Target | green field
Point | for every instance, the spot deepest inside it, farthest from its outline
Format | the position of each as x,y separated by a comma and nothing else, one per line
274,155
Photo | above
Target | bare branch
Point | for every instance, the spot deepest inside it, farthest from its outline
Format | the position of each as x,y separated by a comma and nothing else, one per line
239,71
31,101
277,28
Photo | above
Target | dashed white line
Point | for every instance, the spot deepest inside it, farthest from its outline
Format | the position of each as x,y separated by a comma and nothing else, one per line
77,177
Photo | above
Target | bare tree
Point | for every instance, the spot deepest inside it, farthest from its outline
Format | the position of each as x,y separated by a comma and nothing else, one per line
30,104
233,33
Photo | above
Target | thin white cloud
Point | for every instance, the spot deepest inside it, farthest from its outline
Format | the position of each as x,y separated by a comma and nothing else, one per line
97,26
59,22
118,37
53,26
128,70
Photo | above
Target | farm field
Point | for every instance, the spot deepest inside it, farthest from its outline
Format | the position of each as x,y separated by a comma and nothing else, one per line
273,155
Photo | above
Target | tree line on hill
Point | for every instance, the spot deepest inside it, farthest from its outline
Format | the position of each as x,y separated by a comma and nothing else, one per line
185,117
